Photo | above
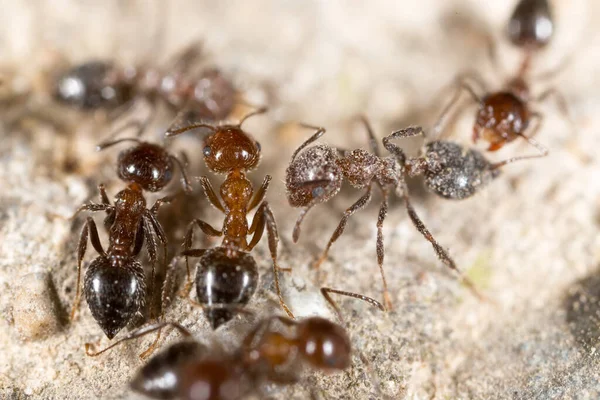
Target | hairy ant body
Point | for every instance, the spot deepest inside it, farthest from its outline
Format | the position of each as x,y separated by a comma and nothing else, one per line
506,115
114,284
105,85
227,274
268,354
315,175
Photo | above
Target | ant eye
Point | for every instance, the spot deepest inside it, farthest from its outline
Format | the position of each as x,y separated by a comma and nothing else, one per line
317,192
258,146
206,151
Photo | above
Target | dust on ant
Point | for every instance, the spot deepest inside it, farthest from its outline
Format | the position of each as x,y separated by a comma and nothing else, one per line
275,350
507,114
228,274
114,283
315,175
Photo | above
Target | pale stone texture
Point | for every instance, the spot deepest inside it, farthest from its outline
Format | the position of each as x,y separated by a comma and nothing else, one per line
530,240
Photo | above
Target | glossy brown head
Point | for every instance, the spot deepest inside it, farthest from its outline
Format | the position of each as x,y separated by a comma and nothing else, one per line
210,379
531,25
324,344
149,165
502,117
230,148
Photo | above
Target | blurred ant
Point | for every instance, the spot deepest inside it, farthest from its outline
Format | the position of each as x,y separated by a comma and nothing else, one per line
506,115
104,85
268,354
315,175
114,285
227,274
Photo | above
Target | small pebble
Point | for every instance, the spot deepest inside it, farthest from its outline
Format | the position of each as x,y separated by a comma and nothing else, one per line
35,312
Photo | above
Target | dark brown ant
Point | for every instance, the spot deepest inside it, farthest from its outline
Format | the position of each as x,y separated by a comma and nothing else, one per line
506,115
227,274
114,284
105,85
189,370
315,175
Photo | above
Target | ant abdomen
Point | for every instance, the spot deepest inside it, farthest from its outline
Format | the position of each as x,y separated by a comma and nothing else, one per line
91,86
215,94
211,379
114,293
325,345
159,378
454,172
313,175
149,165
225,280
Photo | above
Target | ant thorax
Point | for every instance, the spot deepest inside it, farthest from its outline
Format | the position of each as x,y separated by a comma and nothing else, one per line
360,168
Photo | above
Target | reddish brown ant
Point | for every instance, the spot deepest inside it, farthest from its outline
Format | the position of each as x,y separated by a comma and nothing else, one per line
315,175
268,354
114,284
506,115
227,274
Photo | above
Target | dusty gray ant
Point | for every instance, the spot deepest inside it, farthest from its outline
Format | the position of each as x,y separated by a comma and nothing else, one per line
506,115
114,283
315,175
276,350
227,274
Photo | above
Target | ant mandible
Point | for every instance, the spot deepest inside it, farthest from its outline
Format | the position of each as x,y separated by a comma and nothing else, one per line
315,175
114,283
506,115
227,274
190,370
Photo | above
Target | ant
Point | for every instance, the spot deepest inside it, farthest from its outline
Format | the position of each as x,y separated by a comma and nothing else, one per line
189,370
315,175
105,85
506,115
114,285
227,274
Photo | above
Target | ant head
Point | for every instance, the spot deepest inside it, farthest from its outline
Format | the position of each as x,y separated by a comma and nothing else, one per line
90,86
454,172
230,148
531,25
215,95
314,175
210,379
225,279
149,165
324,344
115,292
501,118
159,378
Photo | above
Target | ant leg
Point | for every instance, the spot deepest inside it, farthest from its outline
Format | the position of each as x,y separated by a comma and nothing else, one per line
93,207
319,132
139,239
529,138
325,291
273,238
182,61
461,83
158,203
145,330
394,149
103,195
89,229
260,194
372,140
152,248
359,205
316,184
184,179
383,210
210,194
187,244
441,253
561,104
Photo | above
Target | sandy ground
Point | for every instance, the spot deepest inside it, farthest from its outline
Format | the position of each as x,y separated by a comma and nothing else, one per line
529,240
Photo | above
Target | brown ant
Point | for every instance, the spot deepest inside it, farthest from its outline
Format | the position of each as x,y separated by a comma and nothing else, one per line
506,115
114,285
315,175
105,85
268,354
227,274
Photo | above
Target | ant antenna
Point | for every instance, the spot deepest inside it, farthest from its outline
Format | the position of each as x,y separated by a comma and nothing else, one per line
258,111
319,132
543,153
139,333
325,291
105,145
